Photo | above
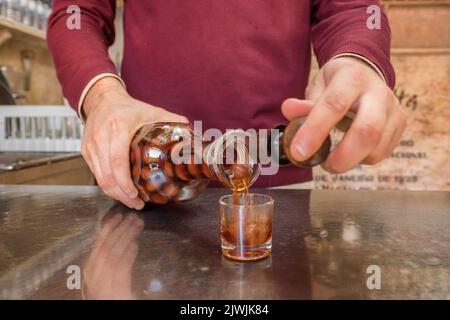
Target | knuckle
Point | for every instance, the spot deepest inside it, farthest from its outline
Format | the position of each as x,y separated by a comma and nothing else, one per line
335,103
369,131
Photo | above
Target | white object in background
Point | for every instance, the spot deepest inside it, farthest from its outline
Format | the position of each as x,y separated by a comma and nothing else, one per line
2,8
12,10
28,8
39,16
40,128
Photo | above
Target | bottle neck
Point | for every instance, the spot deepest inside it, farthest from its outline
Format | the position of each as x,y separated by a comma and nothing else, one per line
229,160
275,145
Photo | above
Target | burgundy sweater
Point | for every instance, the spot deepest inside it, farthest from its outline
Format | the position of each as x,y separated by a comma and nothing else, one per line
228,63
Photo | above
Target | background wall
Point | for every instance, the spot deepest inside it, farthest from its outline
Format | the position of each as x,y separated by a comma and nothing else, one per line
45,88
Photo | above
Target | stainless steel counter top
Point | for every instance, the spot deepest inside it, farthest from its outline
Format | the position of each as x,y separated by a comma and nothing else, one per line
18,160
324,244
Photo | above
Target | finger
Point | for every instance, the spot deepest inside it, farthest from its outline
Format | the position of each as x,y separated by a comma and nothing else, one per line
94,163
331,107
119,160
110,189
102,151
397,135
363,136
390,149
293,108
99,151
392,134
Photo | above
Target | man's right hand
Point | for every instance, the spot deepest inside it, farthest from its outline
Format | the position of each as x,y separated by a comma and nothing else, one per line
113,118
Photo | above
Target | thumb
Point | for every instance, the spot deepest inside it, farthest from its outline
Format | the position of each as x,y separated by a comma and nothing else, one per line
293,108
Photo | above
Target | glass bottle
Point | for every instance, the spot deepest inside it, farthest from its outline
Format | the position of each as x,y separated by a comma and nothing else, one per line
171,163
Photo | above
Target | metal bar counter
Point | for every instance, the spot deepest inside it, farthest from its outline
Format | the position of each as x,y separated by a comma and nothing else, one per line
10,161
73,243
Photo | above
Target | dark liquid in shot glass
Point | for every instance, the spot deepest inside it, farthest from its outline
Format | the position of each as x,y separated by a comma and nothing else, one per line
246,229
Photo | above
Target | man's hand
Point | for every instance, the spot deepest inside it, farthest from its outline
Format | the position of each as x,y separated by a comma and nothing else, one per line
113,117
347,84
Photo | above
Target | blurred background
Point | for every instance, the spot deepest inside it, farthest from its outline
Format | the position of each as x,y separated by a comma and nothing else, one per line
40,136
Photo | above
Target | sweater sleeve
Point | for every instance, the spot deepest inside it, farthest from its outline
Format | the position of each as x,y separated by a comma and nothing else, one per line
81,54
341,26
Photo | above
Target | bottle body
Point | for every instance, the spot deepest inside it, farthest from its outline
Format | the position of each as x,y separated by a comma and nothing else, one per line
170,163
157,178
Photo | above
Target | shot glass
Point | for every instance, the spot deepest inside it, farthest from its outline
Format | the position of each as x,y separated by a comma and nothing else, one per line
246,226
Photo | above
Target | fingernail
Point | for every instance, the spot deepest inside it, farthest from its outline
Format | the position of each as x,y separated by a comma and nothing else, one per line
301,149
140,206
